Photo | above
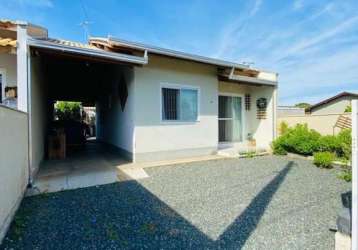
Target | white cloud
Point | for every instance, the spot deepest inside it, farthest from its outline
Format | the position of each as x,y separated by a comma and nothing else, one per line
327,8
298,4
314,52
229,35
256,7
310,42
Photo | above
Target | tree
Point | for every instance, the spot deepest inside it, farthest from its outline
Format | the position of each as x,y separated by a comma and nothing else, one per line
303,105
68,110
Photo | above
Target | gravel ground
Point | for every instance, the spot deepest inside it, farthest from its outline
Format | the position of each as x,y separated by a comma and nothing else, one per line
259,203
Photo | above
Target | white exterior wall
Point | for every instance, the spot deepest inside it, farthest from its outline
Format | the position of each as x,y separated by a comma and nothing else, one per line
13,163
114,126
261,129
158,140
8,63
38,113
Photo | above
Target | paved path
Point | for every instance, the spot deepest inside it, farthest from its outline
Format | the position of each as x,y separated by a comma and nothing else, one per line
259,203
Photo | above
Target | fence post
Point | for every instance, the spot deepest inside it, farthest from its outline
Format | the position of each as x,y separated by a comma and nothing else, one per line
354,174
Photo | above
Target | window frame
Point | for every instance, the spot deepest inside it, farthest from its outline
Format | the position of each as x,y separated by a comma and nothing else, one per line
3,84
178,87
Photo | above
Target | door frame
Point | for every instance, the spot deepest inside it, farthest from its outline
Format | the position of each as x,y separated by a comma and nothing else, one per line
243,115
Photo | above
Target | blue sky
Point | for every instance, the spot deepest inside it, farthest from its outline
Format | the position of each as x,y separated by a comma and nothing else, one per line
313,45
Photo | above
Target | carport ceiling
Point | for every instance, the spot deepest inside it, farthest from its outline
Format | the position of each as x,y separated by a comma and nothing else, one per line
74,79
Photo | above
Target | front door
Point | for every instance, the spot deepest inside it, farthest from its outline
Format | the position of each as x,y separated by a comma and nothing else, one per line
230,119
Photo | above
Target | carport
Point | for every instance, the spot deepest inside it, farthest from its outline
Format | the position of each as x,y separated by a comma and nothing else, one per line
67,71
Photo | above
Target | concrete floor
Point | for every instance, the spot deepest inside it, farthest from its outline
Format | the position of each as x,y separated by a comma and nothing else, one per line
92,165
95,165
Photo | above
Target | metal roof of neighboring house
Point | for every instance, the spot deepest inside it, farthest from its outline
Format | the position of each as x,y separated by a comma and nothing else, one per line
84,49
4,42
333,98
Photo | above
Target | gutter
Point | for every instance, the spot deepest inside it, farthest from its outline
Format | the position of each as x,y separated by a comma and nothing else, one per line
86,51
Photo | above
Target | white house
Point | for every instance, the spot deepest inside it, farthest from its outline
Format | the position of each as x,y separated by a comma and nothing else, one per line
152,103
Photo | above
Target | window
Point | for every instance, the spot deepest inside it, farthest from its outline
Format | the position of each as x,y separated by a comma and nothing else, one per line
179,104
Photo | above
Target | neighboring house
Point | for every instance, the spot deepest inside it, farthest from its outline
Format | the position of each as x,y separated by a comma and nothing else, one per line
333,105
151,103
283,111
328,117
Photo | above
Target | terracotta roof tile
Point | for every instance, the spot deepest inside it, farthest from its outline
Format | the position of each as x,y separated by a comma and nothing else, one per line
70,43
7,42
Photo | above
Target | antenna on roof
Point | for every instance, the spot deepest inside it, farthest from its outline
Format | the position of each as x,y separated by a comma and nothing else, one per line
85,24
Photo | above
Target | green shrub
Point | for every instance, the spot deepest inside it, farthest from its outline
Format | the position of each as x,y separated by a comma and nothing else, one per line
329,143
345,140
301,140
323,159
278,147
298,139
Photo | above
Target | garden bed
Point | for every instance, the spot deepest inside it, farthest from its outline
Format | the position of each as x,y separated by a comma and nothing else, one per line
326,151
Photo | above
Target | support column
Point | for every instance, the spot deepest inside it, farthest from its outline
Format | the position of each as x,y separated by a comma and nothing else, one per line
22,87
274,113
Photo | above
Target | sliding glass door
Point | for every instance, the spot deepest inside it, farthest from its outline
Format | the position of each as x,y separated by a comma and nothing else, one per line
230,119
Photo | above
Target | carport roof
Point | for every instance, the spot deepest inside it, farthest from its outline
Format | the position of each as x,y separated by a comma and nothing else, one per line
84,49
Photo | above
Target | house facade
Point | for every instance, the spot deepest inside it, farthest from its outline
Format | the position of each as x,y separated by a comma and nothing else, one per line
152,103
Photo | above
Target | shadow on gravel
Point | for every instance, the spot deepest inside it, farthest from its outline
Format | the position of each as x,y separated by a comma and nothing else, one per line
123,216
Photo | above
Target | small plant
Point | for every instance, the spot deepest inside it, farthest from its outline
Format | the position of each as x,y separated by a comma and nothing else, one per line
283,128
348,109
323,159
345,175
345,140
249,154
